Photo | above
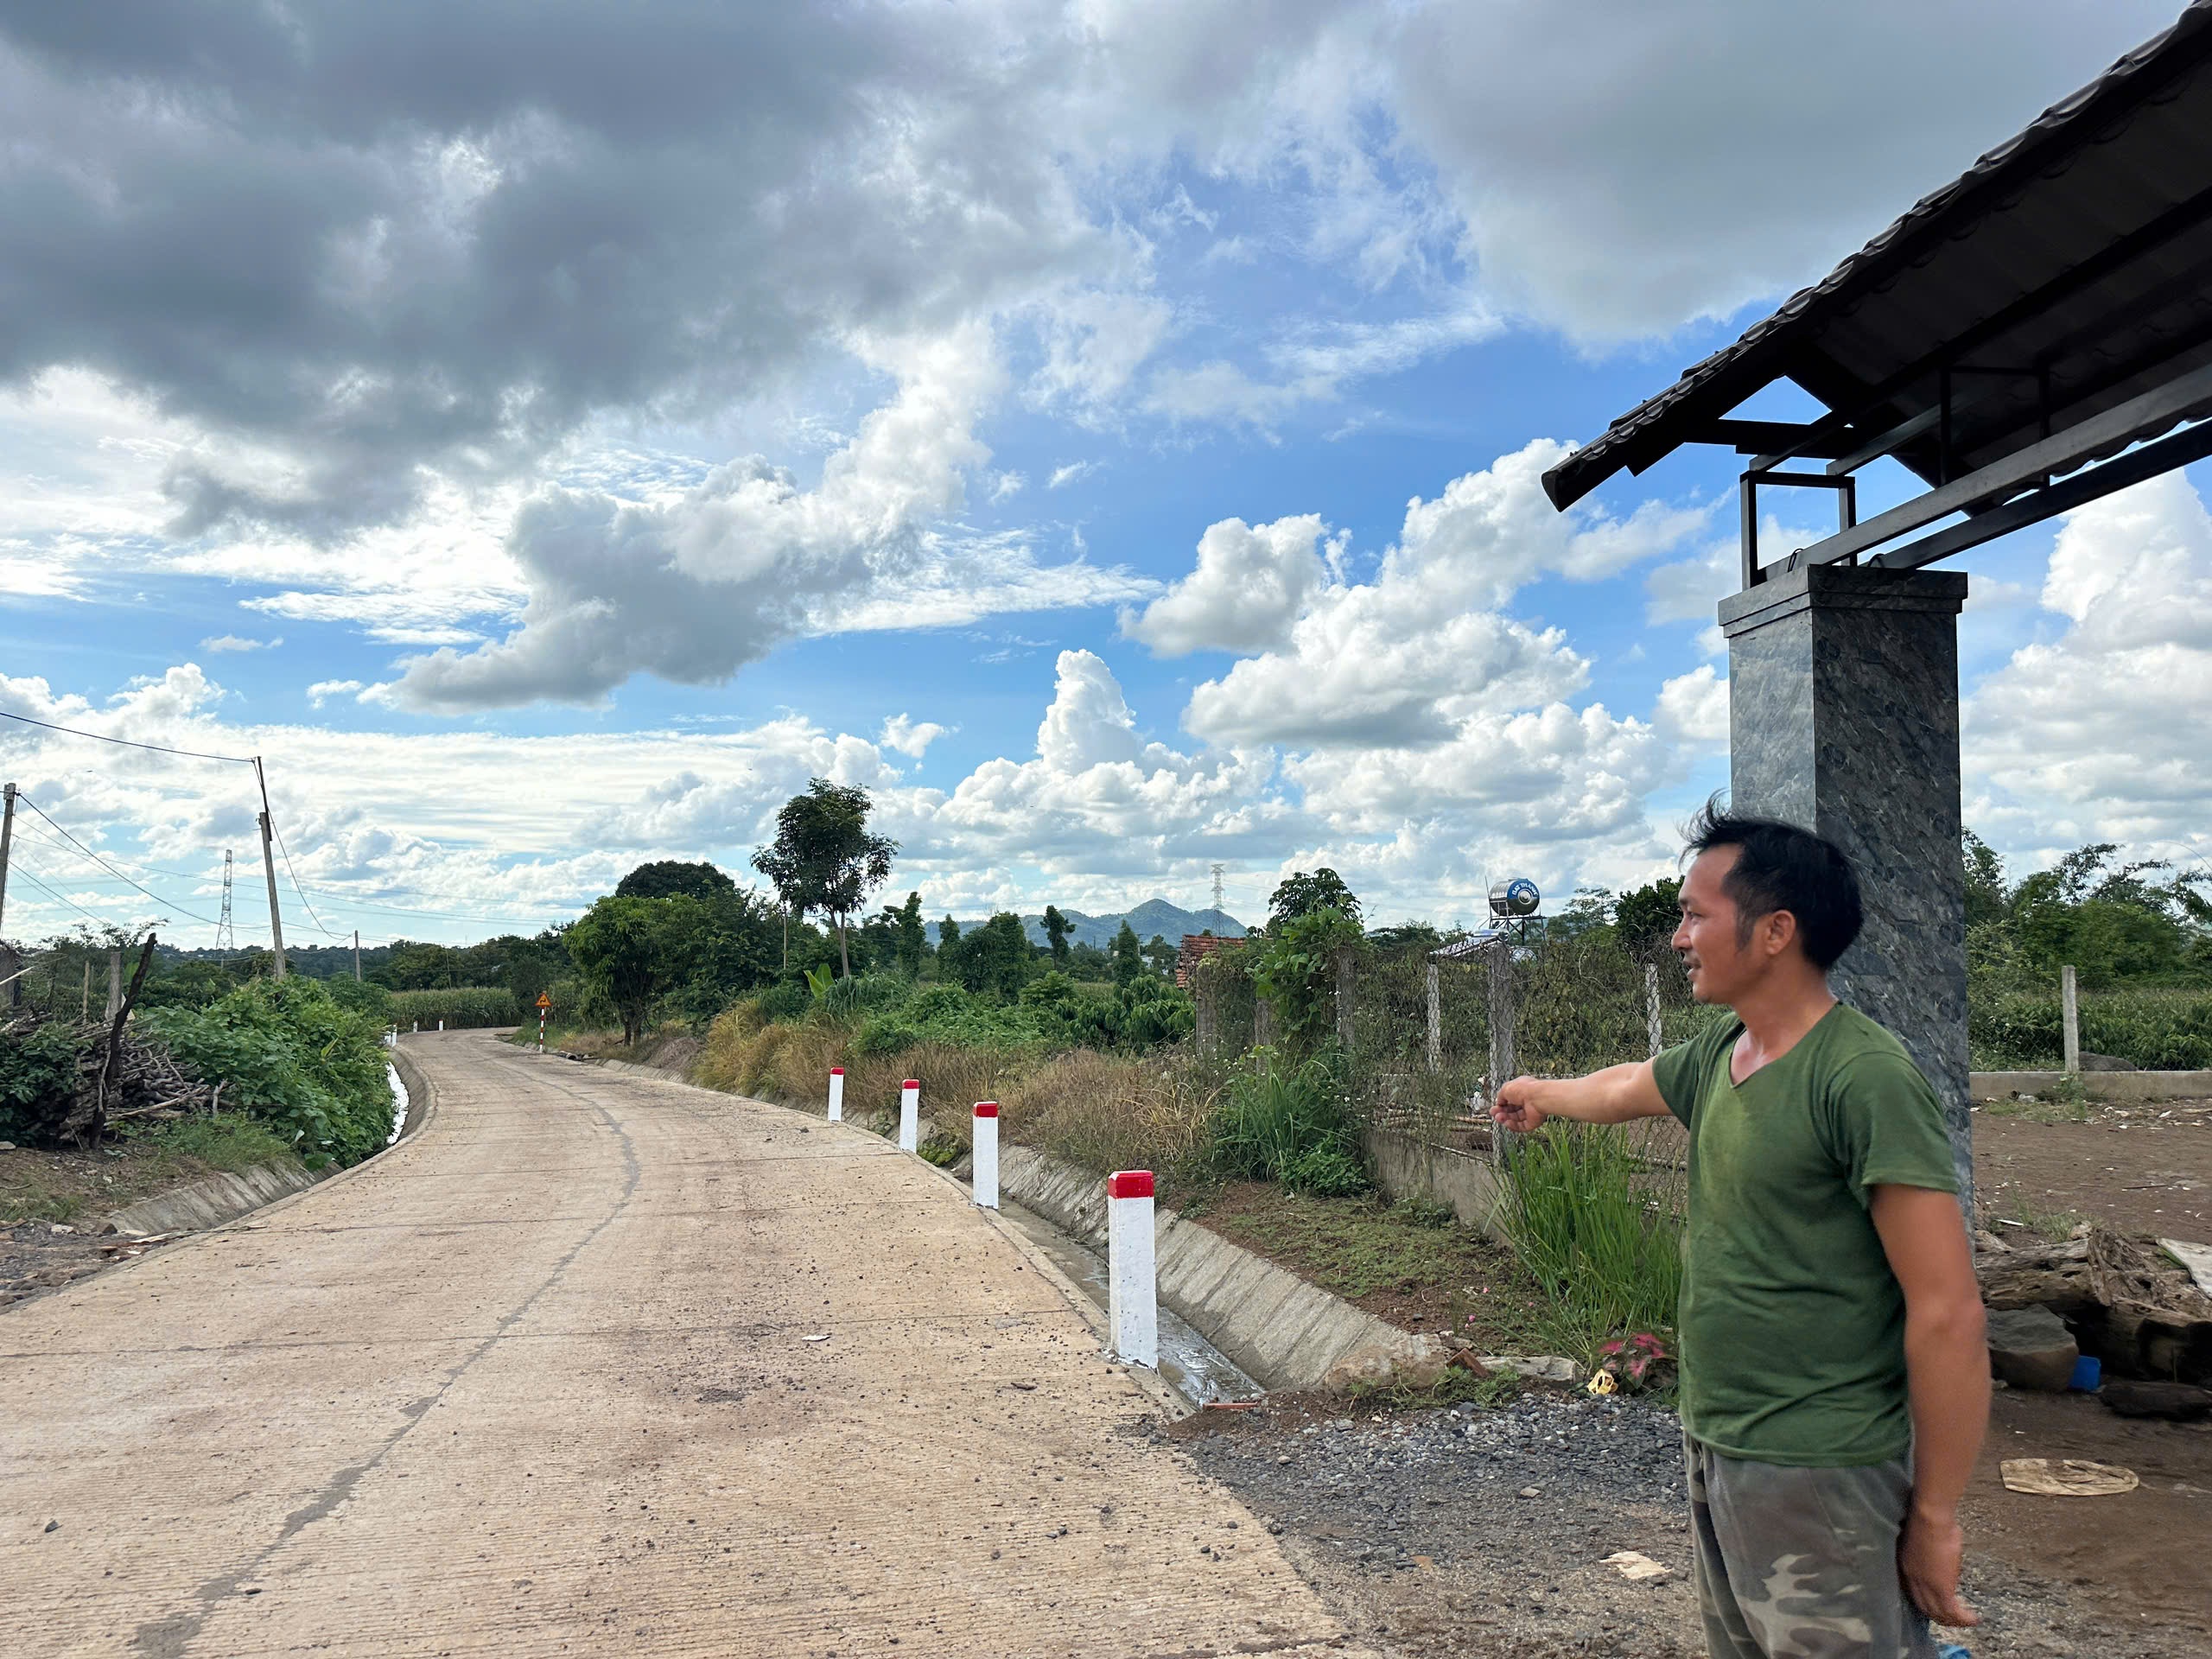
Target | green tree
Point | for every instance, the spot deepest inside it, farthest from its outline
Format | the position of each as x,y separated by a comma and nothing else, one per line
1647,917
1056,935
632,950
1294,968
1987,899
669,878
1160,955
912,942
1129,957
1301,894
996,957
824,857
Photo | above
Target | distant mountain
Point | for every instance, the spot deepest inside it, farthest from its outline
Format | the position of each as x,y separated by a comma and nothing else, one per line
1155,916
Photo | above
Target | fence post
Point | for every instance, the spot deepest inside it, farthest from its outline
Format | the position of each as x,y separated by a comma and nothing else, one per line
1435,1018
1133,1307
1501,1037
1655,1029
114,985
983,1155
1344,995
1263,1021
910,1114
836,1094
2071,1004
1204,989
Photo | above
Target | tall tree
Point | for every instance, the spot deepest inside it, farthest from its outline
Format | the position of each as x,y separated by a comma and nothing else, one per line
824,857
667,877
632,950
913,938
1056,935
1302,893
1128,957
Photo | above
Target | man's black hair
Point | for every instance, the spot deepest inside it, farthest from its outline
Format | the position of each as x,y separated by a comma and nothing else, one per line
1781,867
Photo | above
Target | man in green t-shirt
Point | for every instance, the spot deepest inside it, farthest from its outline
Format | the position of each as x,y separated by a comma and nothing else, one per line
1834,1382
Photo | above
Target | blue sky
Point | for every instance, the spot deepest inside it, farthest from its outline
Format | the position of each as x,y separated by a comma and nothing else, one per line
549,448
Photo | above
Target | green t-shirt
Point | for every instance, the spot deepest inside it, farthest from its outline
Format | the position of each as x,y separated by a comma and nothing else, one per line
1792,1325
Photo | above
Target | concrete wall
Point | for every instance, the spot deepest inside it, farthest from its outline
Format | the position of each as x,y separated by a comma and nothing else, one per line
1285,1332
2097,1085
1462,1182
212,1202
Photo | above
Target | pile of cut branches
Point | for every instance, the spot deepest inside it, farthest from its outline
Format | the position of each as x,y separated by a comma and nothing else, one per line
65,1081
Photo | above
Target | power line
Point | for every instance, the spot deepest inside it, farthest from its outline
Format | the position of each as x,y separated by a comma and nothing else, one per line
104,865
295,874
102,737
31,876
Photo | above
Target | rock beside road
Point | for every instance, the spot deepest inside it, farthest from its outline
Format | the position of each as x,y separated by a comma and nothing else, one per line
2031,1348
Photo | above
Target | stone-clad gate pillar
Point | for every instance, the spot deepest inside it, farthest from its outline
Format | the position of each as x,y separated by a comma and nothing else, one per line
1843,717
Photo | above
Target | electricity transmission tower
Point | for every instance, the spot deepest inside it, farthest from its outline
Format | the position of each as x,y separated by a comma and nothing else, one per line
1219,870
225,939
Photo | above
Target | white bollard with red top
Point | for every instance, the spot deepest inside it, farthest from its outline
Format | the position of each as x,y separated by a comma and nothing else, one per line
983,1153
910,1114
836,1094
1132,1302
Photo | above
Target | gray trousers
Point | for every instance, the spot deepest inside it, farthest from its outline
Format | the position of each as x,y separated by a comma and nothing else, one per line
1802,1563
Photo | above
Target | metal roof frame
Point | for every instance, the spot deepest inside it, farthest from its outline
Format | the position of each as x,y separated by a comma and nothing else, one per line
2049,310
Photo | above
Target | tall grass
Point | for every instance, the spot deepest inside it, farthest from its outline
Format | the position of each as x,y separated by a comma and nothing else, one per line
466,1008
1288,1121
1599,1229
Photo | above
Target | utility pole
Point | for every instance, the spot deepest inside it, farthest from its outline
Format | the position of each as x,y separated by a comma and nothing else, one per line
8,964
7,835
357,956
269,869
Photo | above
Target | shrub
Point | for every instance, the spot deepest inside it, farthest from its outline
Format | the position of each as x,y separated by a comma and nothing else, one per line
787,999
884,1035
38,1081
287,1054
2160,1030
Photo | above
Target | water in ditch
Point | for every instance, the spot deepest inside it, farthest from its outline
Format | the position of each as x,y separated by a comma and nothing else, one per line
1190,1364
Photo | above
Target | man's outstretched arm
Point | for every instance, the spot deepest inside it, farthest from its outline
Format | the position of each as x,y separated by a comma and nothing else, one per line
1613,1095
1946,1367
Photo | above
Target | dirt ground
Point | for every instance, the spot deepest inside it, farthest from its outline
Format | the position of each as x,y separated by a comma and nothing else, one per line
2142,1169
1459,1531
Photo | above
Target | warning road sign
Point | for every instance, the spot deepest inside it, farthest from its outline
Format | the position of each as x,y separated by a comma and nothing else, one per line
544,1001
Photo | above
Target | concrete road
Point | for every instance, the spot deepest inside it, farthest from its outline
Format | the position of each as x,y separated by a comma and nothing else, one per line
539,1381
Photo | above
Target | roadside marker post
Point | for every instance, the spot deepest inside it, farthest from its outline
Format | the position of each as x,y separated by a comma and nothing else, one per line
984,1154
836,1094
441,1025
544,1002
910,1114
1133,1291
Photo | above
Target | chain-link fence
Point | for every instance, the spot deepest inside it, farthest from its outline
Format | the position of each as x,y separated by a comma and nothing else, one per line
1427,1030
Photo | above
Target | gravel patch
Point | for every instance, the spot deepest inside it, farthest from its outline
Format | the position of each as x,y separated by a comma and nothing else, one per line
1469,1531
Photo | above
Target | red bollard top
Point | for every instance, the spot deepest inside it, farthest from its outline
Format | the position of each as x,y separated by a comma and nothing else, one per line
912,1083
836,1070
987,1108
1130,1184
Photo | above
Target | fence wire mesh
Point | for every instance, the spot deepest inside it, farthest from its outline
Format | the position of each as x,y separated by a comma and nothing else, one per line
1421,1057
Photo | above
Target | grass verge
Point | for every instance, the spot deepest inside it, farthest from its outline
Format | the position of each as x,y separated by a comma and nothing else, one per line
1408,1265
66,1185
